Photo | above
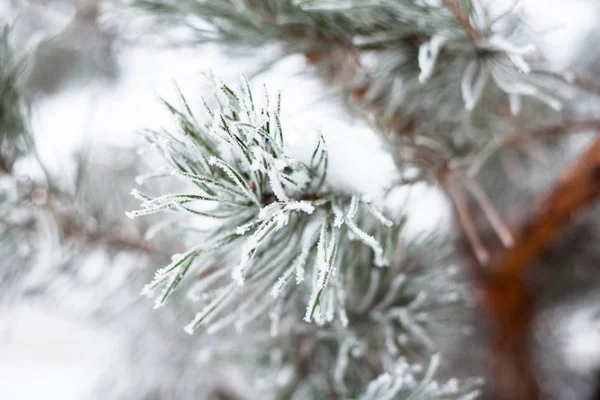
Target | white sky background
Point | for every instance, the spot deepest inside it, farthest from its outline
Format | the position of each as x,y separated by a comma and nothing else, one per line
51,355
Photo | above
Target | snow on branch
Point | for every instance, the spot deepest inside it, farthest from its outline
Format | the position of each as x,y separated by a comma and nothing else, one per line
268,204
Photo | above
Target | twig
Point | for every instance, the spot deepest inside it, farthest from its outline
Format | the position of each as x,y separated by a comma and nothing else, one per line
81,234
488,208
463,19
466,221
550,131
445,175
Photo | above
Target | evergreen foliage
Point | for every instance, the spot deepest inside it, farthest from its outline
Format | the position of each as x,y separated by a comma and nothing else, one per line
292,286
296,234
420,67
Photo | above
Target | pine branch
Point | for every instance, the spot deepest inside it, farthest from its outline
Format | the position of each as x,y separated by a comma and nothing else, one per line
358,309
278,205
425,84
82,235
504,292
448,175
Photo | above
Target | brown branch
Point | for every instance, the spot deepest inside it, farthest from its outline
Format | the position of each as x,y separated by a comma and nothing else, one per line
506,296
463,19
577,188
446,176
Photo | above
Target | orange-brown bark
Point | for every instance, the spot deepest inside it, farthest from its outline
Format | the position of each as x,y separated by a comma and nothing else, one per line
506,297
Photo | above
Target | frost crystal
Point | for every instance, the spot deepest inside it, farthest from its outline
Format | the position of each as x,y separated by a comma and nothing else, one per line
276,185
369,241
303,206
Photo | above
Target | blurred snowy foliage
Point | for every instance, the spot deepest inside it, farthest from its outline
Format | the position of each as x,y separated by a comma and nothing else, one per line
305,257
407,62
80,52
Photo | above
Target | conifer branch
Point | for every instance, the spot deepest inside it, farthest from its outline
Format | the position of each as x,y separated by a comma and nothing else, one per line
59,206
504,292
448,175
239,166
301,228
423,83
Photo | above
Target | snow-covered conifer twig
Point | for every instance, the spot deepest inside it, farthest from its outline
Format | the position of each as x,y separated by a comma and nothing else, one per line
260,199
